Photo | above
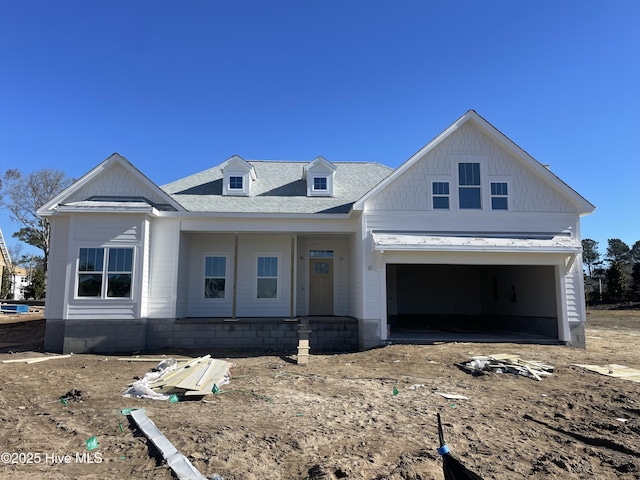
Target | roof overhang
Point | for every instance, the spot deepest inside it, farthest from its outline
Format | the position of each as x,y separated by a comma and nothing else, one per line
106,207
412,242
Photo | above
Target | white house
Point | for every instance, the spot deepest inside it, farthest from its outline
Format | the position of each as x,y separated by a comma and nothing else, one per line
469,233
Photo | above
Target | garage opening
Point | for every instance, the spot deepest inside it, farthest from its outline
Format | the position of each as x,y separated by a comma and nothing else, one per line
473,298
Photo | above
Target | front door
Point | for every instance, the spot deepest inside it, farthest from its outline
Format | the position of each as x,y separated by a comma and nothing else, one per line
321,286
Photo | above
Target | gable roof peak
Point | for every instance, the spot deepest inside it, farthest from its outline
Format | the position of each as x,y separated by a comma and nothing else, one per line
319,163
238,161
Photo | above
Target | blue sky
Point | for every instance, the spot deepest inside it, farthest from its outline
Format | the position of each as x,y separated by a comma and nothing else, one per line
178,87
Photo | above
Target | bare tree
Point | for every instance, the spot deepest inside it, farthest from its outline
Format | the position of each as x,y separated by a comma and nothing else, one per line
23,195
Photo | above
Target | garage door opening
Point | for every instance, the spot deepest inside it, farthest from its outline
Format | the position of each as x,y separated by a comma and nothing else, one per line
473,299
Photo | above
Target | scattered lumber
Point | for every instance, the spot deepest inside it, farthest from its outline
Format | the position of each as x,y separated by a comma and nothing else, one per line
36,359
614,370
192,377
507,363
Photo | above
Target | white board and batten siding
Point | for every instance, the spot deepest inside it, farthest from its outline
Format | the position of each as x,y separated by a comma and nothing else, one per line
105,231
160,272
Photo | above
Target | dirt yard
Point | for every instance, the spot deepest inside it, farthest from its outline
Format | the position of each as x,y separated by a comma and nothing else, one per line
337,418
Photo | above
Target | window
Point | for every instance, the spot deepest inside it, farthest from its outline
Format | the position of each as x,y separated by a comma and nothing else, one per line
320,183
469,194
499,196
92,272
235,183
215,273
267,277
321,253
440,192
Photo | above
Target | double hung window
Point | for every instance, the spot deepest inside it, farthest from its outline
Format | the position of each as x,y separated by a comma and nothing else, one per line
267,286
215,276
440,192
499,196
469,191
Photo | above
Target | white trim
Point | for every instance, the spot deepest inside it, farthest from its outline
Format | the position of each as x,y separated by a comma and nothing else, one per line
411,242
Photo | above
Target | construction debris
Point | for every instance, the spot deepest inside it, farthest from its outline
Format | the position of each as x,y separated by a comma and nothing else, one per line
36,359
507,363
614,370
181,466
194,377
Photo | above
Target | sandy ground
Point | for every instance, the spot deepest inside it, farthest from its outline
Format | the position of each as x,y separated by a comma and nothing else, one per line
337,418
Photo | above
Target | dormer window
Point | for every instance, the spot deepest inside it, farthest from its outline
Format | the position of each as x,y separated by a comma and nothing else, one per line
237,176
319,176
320,184
235,183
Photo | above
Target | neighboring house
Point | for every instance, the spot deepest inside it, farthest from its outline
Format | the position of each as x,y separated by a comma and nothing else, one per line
470,232
20,282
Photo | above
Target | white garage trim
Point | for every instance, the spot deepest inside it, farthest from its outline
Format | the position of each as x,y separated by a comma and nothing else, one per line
434,243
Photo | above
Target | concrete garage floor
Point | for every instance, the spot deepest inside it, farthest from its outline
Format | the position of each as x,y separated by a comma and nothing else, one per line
418,336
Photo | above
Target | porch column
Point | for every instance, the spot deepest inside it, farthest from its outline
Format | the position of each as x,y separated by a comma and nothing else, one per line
235,276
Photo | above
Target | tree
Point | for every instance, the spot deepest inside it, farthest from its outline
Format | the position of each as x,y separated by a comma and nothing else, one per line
36,287
24,195
635,286
5,288
615,282
618,251
635,252
590,254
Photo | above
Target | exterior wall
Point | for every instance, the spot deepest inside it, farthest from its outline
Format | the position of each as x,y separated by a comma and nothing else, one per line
182,289
527,193
100,231
57,274
160,271
57,269
203,244
576,308
534,206
249,248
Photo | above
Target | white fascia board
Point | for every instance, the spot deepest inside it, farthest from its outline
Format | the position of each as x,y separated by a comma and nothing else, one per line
148,209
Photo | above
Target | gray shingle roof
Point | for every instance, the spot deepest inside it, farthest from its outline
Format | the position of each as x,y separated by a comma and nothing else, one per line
279,188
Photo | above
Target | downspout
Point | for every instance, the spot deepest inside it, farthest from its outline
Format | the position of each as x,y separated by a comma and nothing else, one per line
235,276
